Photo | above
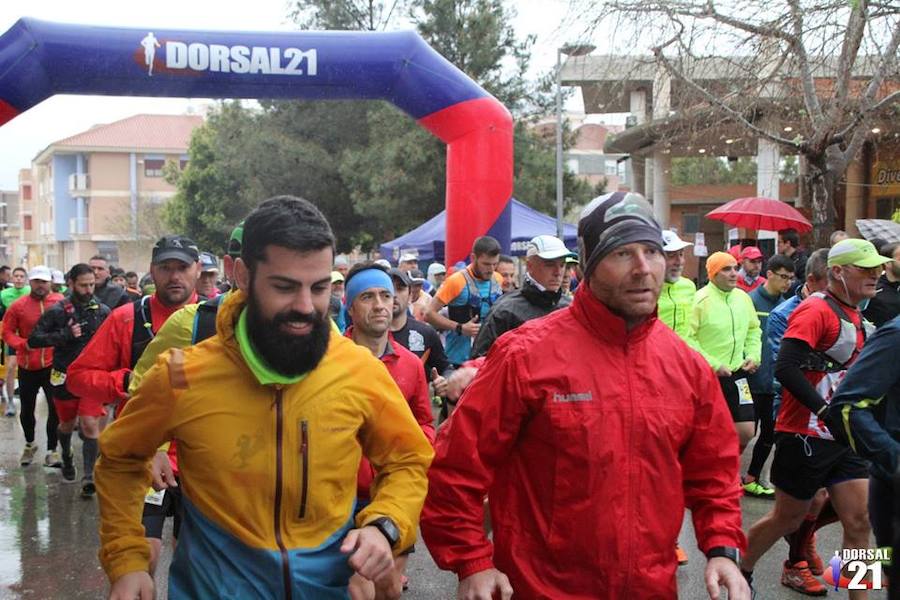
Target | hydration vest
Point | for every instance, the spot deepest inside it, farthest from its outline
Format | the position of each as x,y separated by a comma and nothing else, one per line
142,330
473,308
839,356
205,319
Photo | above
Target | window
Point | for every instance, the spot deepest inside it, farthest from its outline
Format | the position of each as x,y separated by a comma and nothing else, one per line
26,192
182,164
691,222
153,167
109,250
612,168
26,222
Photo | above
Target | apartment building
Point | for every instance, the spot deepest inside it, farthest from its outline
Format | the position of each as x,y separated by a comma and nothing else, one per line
101,191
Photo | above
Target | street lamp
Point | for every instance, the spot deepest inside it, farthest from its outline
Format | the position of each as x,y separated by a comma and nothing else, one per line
568,50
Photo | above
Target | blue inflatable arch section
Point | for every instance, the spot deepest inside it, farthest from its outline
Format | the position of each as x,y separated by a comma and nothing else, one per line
39,59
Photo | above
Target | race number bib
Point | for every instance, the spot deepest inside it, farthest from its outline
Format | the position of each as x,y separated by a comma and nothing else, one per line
154,497
57,378
743,391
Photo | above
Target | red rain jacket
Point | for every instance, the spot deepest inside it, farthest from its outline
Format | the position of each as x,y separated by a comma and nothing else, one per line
18,323
100,370
408,373
590,442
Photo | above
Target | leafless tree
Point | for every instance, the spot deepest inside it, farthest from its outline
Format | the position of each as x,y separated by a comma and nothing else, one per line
828,66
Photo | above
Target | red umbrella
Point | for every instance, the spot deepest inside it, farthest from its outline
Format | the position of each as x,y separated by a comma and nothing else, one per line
761,213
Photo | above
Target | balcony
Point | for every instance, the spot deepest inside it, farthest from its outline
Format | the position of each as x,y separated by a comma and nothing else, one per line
78,226
78,184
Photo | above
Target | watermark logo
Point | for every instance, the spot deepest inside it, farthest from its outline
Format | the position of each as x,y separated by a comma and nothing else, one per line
863,568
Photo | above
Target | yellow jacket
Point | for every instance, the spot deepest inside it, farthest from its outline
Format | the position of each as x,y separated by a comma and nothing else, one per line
268,473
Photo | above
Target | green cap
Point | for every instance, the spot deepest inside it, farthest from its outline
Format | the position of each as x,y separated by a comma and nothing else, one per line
234,242
859,253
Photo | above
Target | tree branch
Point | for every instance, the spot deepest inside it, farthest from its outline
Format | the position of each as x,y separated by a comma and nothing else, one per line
865,112
723,106
853,35
810,99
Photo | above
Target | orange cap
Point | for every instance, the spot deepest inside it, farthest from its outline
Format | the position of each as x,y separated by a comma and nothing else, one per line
718,261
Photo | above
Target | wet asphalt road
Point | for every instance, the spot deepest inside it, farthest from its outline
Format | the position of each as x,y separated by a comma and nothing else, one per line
48,539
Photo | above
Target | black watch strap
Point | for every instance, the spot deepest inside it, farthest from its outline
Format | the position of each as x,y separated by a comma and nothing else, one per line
729,552
387,528
459,329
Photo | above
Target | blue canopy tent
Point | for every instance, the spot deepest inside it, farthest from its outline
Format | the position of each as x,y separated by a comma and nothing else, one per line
427,240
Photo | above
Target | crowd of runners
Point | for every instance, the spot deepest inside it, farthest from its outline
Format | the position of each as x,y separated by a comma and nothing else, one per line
301,418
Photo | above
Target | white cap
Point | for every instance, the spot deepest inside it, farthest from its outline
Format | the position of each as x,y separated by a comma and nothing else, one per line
673,243
383,262
40,272
407,257
58,277
547,247
436,269
340,260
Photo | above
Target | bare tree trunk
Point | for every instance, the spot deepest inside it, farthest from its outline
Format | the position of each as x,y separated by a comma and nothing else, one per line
822,184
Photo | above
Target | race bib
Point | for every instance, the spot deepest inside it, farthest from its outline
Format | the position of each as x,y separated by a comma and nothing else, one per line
154,497
743,391
57,378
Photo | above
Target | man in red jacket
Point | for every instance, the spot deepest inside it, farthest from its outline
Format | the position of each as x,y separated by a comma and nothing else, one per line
103,368
34,363
370,304
576,451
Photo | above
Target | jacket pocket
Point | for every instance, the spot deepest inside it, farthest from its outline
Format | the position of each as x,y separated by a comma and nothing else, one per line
304,465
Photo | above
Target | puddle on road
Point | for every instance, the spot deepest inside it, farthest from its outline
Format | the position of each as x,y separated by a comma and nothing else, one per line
48,534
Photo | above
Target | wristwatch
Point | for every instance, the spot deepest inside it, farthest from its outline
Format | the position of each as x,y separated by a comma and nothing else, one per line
387,528
732,554
459,329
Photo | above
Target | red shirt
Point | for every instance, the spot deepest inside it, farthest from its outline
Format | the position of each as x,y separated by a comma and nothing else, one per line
815,323
408,373
19,321
742,283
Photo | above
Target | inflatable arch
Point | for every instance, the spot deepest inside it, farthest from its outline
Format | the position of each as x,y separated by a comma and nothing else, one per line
39,59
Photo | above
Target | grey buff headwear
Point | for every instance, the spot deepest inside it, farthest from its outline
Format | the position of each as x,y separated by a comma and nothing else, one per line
613,220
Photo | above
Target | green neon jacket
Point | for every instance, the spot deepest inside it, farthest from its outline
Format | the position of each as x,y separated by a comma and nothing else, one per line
725,328
675,303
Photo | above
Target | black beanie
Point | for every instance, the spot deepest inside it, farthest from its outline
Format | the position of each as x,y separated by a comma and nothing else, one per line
613,220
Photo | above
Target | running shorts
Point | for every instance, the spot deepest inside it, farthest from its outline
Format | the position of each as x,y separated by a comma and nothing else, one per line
803,464
156,511
736,389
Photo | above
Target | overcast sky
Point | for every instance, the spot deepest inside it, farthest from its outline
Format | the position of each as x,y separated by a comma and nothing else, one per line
61,116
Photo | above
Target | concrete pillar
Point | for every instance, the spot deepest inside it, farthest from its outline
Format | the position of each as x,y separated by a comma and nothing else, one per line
638,105
662,93
854,207
662,168
768,169
649,169
637,164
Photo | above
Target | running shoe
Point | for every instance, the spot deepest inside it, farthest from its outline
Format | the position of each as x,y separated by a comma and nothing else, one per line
68,471
798,577
755,488
53,460
87,488
10,409
812,557
681,556
28,454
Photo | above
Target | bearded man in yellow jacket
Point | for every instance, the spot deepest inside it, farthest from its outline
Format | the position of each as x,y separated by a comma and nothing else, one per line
271,416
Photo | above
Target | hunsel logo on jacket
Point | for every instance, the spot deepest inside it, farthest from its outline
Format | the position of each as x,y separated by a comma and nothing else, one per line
219,58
